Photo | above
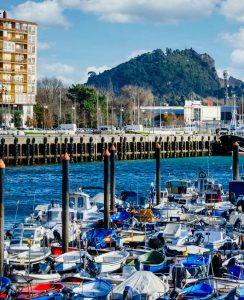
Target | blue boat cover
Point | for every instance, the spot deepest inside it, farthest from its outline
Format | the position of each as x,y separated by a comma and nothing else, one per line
95,237
4,282
200,290
194,260
120,216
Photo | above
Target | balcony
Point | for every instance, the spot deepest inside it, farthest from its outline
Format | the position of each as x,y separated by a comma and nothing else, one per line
10,71
21,41
21,51
13,81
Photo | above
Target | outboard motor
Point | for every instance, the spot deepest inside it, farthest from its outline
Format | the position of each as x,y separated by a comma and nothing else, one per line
237,224
45,267
199,238
128,293
57,236
93,268
11,292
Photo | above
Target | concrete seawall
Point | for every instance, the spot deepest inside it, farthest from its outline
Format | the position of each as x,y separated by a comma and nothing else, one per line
48,149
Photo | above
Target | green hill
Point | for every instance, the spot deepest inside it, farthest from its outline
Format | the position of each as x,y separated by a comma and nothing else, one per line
170,74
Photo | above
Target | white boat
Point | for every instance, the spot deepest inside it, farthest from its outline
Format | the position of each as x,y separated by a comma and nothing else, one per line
211,238
86,211
111,261
176,233
24,235
24,277
142,285
33,256
68,261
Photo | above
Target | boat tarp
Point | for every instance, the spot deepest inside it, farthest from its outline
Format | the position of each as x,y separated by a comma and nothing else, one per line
191,249
194,260
199,290
152,258
96,237
143,283
120,216
146,215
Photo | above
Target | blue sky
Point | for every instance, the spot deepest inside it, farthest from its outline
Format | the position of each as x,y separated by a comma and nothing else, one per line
78,36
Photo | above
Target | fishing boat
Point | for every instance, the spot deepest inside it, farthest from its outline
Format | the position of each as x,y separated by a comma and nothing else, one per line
67,262
86,212
175,233
153,261
201,291
24,235
40,290
25,277
141,285
111,261
31,257
98,289
181,189
211,238
55,296
133,237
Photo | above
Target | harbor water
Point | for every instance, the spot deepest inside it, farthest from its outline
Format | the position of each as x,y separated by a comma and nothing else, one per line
25,187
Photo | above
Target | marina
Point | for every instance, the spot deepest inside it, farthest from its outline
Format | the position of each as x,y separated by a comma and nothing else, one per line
88,247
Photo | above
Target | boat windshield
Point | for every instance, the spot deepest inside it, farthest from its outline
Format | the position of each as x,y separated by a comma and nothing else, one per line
80,202
53,216
71,202
177,186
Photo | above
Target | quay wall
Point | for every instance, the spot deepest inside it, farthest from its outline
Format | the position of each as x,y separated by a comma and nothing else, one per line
48,149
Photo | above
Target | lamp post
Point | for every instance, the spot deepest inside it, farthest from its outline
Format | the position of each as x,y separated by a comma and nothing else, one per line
60,105
121,118
3,92
14,106
44,116
160,115
74,114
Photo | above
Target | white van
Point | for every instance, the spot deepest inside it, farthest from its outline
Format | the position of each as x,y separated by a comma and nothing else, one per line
68,128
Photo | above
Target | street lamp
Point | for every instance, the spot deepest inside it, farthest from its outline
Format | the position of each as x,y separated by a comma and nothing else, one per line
121,118
74,114
44,116
15,105
3,92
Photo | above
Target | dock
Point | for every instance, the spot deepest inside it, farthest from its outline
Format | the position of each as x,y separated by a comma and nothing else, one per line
48,149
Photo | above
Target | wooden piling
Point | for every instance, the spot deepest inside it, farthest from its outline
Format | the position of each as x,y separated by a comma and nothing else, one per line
2,174
65,203
106,189
158,175
235,161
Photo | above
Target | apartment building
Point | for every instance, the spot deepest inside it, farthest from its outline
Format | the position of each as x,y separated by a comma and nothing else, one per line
18,69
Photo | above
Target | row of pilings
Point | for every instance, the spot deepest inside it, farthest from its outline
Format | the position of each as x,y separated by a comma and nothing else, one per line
21,150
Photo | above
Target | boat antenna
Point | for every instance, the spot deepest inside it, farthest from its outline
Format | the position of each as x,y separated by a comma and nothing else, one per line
34,203
16,211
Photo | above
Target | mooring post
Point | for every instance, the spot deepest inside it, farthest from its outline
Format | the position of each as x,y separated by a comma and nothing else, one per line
112,177
235,161
2,174
158,177
65,203
106,189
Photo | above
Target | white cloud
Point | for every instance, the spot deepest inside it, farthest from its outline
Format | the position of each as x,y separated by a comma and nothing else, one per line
46,13
136,53
51,12
233,10
58,68
236,39
125,11
237,57
67,73
45,45
95,69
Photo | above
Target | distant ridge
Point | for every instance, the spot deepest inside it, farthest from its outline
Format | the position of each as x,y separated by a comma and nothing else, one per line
171,74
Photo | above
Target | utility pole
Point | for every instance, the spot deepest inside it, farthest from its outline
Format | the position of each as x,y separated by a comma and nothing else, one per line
60,106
